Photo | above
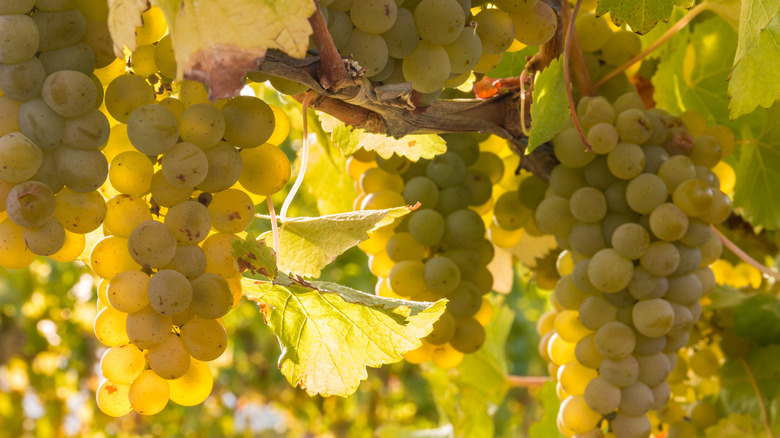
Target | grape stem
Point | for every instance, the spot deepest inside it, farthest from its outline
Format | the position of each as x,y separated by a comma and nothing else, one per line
745,257
527,381
761,405
701,7
332,71
567,75
274,225
304,160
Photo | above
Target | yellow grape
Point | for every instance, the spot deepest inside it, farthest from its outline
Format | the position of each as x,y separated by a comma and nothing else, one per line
211,296
154,26
194,386
80,212
13,251
446,357
232,211
219,259
113,399
281,126
421,354
149,393
127,291
109,327
122,364
205,339
124,213
147,328
266,169
72,248
131,173
170,358
109,257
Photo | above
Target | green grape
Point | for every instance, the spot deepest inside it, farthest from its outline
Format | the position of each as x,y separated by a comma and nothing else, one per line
636,399
609,271
465,51
694,197
660,259
531,191
595,311
59,29
109,327
443,329
131,173
535,26
514,6
720,209
340,27
441,275
469,335
466,260
190,222
40,124
401,38
592,31
439,21
170,358
202,124
266,170
194,386
30,204
24,81
624,425
653,368
109,257
466,146
19,38
98,38
113,399
446,170
402,246
588,204
630,240
406,278
164,58
249,121
495,29
125,94
452,199
602,396
465,300
189,261
152,244
12,7
9,115
231,211
21,158
509,213
205,339
174,105
602,137
395,164
428,66
626,161
47,174
479,187
568,326
586,239
149,393
620,47
491,165
676,170
142,60
69,93
615,340
152,129
585,352
80,212
645,192
78,57
564,180
224,163
620,372
633,126
553,216
464,229
127,292
427,226
684,289
46,239
373,16
596,110
376,179
169,292
630,101
121,364
286,86
211,296
147,328
616,196
657,119
653,317
570,149
166,194
81,171
184,165
88,132
668,222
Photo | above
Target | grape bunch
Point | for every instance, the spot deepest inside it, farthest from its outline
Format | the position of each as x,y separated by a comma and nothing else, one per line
440,249
434,43
635,218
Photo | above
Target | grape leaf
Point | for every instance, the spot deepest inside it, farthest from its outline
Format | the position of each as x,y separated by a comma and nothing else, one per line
728,10
308,244
255,256
641,15
413,147
330,333
723,297
547,427
328,182
758,318
652,36
217,42
737,392
753,19
735,426
512,63
755,78
550,108
123,17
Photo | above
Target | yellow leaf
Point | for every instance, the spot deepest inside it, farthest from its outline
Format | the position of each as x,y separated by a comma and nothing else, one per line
123,17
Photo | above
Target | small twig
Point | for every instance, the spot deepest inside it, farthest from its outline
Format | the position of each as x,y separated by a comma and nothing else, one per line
745,256
665,37
274,225
332,70
522,104
581,74
761,405
527,381
567,75
304,160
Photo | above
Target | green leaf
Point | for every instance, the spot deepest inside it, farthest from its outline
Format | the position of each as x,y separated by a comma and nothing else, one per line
123,17
217,42
641,15
758,317
328,182
755,79
753,19
550,108
652,36
736,426
512,63
758,174
547,427
330,333
737,391
728,10
723,297
413,147
308,244
255,256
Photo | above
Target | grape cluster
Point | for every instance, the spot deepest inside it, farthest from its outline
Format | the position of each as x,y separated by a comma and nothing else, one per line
439,250
434,43
635,219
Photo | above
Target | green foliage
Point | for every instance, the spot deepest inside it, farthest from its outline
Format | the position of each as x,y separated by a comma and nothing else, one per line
736,426
755,78
550,102
758,318
640,15
327,183
740,378
547,427
513,63
349,140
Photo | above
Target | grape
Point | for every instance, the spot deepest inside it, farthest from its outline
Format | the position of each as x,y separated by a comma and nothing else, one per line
469,335
147,328
81,171
465,51
514,6
166,194
401,38
627,426
170,358
164,57
69,93
592,31
152,129
152,244
231,211
194,386
30,204
423,190
602,137
570,149
219,260
169,292
568,326
465,300
127,292
98,38
89,131
40,124
11,7
602,396
596,311
427,226
495,30
684,289
645,192
596,110
266,170
576,415
59,29
205,339
620,372
535,26
189,261
588,204
630,240
340,27
80,212
446,357
704,414
402,246
509,213
78,57
125,94
131,173
71,249
620,47
676,170
720,209
124,213
694,197
376,179
564,181
149,393
443,329
190,222
653,368
47,173
668,222
113,399
653,317
464,229
626,161
18,38
568,294
609,271
373,16
442,275
9,115
633,126
211,296
615,340
109,327
46,239
439,21
153,28
184,165
406,278
380,264
452,199
574,377
428,66
142,60
487,63
23,81
224,164
553,216
249,122
586,239
122,364
202,124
